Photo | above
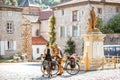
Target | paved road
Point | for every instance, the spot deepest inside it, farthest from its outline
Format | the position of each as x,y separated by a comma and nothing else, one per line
31,71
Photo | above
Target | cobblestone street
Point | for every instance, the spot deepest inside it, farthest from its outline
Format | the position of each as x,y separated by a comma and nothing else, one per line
31,71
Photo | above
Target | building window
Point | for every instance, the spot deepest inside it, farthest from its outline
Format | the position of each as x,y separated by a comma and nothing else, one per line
62,11
82,12
10,44
37,50
37,32
9,13
62,31
100,10
75,31
10,27
74,15
117,9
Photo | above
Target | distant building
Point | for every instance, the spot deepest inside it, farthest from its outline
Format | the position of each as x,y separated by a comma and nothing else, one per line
72,18
38,25
10,30
24,29
44,23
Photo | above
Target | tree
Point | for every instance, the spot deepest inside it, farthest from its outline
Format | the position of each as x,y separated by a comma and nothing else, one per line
10,2
70,48
114,24
52,32
103,28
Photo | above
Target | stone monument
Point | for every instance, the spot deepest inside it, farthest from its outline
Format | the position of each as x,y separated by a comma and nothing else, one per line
93,41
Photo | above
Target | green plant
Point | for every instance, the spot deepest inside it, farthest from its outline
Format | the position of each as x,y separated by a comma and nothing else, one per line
70,48
114,24
52,32
103,28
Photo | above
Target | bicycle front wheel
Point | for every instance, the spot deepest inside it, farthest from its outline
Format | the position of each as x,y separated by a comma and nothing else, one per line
72,70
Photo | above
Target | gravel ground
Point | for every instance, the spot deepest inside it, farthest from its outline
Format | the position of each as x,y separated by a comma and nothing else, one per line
31,71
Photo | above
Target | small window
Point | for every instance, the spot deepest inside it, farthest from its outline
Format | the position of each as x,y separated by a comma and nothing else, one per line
117,9
10,27
62,31
10,45
62,11
100,10
9,13
74,15
37,50
75,31
37,32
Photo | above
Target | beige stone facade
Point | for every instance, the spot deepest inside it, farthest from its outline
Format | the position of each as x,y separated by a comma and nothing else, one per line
10,28
64,18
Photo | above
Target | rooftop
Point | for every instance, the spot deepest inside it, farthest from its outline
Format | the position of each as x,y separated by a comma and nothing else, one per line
38,41
74,2
44,15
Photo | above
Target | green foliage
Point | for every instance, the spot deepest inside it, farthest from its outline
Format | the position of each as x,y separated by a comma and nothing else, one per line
104,29
9,2
114,24
70,48
52,32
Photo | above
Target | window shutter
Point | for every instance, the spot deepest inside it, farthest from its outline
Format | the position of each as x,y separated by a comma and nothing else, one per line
71,31
78,33
78,15
59,31
65,31
71,17
6,45
14,45
2,48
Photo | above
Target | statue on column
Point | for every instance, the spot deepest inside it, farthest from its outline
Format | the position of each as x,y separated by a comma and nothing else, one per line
92,21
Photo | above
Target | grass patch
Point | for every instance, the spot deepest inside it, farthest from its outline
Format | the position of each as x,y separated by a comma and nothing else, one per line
5,60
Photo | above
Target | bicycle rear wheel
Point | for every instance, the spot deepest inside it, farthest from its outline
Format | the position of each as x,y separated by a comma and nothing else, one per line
72,70
55,69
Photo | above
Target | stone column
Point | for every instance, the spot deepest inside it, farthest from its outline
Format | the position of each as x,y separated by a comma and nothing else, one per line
93,46
27,38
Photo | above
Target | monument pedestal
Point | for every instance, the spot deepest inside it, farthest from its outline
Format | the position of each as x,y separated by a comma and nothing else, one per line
93,47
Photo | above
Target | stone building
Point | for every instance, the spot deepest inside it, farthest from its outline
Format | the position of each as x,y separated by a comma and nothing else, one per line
72,18
10,28
36,23
44,23
24,29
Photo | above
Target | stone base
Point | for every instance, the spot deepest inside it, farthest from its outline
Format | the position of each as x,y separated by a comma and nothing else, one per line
93,45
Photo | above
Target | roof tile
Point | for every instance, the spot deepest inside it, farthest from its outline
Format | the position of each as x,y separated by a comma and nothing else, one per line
44,15
38,41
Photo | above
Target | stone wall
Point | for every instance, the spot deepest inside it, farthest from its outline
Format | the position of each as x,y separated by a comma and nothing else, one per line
16,17
112,39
